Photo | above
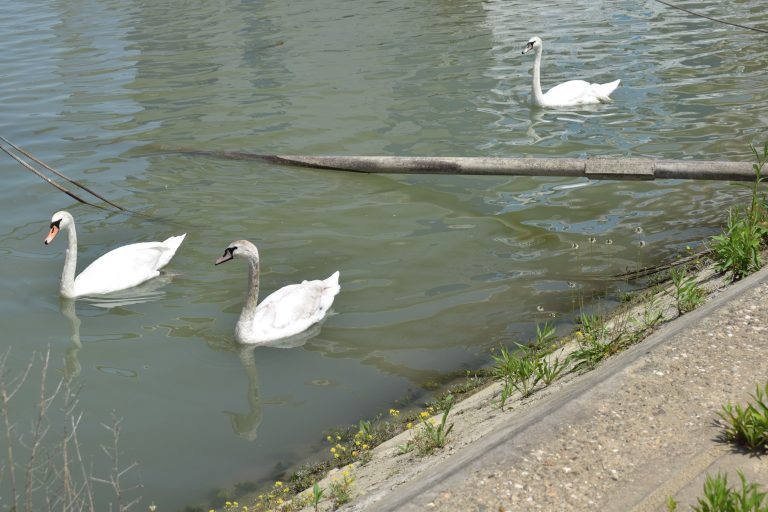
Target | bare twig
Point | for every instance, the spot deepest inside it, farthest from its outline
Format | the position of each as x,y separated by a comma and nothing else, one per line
113,452
39,432
75,421
647,271
6,395
53,480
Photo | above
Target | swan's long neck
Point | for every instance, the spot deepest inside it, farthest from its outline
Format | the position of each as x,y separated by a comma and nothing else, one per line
252,296
67,286
538,96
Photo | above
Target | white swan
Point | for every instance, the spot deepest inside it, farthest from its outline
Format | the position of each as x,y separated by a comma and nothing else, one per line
289,311
120,268
570,93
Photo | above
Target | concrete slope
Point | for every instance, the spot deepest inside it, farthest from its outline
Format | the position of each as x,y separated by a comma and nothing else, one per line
640,428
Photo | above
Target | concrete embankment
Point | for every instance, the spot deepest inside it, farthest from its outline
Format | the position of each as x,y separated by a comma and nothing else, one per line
640,428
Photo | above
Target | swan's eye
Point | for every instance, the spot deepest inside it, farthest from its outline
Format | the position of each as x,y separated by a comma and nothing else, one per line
56,224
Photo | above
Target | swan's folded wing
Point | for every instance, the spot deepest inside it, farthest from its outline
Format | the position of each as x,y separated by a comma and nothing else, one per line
572,92
121,268
295,306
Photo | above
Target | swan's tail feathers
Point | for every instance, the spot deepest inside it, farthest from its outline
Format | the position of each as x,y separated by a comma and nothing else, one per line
171,245
603,91
330,290
174,242
332,283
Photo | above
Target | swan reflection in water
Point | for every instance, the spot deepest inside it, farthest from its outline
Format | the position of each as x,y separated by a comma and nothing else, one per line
145,292
557,118
246,424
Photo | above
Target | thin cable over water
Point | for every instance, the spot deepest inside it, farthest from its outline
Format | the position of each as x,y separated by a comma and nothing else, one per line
711,18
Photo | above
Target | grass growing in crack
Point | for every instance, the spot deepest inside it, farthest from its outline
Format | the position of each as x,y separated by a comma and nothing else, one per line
748,425
719,497
430,436
688,294
356,443
549,370
671,504
593,326
402,449
546,337
521,370
517,371
317,495
341,489
652,312
595,343
737,250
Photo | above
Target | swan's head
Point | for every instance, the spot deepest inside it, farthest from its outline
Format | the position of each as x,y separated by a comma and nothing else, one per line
239,249
59,221
533,44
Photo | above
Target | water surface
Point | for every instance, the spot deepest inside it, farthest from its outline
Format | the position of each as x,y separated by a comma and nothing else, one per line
435,270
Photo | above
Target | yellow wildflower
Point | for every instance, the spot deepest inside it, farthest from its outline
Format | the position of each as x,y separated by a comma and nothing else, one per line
329,438
424,414
409,425
278,484
394,412
338,438
333,450
365,447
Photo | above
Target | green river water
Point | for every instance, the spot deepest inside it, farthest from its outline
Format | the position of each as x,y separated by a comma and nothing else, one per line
435,270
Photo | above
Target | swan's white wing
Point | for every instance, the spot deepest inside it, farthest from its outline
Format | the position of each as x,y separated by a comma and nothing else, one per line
125,267
573,92
579,92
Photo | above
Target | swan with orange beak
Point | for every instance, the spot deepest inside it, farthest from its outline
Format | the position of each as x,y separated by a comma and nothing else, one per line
119,269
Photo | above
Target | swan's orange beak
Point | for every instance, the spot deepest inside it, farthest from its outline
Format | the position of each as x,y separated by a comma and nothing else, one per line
51,234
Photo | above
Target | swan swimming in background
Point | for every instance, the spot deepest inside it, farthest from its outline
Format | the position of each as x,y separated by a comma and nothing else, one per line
121,268
286,312
570,93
